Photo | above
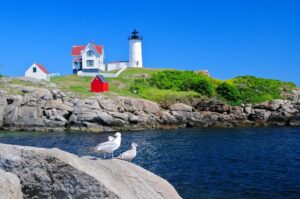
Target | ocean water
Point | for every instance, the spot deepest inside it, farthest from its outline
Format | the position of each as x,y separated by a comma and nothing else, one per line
201,163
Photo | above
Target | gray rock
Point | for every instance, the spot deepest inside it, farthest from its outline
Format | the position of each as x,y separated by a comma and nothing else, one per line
108,103
122,116
133,119
146,106
11,115
58,94
262,114
132,105
248,109
279,118
3,104
58,104
104,118
181,116
10,187
93,127
27,89
81,115
181,107
295,120
167,118
52,173
29,113
90,103
213,106
14,99
42,93
54,115
271,105
289,108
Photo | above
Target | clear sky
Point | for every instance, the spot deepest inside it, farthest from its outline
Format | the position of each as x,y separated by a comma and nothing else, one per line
229,38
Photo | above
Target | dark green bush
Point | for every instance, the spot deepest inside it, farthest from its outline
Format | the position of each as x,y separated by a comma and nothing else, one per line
170,79
138,85
235,91
182,81
228,92
255,90
202,86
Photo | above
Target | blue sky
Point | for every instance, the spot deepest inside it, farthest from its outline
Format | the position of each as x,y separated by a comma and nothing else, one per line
229,38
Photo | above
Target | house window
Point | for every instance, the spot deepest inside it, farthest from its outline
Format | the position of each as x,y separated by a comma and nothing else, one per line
34,69
90,63
89,53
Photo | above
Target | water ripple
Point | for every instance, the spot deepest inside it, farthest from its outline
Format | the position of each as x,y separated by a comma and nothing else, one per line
202,163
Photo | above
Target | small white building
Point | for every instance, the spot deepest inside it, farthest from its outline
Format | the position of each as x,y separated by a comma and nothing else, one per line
37,71
109,66
87,59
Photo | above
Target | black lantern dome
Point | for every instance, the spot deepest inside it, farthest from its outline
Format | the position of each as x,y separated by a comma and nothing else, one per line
135,35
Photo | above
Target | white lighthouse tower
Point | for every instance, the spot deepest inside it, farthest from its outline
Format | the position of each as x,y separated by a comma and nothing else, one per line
135,50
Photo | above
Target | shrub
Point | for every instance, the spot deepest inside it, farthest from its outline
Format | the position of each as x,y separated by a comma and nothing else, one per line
182,81
202,86
255,90
169,79
228,92
139,85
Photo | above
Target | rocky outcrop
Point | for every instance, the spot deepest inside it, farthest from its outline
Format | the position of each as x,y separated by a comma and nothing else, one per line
52,173
10,187
44,110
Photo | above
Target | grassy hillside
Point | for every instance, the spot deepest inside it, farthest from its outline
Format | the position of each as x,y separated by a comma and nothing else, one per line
166,86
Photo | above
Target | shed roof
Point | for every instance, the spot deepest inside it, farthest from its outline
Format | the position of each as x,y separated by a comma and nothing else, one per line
100,77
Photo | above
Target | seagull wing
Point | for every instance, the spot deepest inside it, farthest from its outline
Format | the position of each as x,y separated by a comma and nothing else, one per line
106,147
111,138
127,155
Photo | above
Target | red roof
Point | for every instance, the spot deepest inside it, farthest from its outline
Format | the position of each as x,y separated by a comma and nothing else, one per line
42,68
76,50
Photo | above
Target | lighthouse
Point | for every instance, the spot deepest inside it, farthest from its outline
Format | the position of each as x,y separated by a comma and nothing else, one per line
135,50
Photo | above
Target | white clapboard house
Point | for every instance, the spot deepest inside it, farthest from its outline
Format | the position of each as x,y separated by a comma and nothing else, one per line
87,59
37,71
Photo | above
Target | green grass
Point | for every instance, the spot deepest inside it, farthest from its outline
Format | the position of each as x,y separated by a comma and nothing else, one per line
247,88
76,84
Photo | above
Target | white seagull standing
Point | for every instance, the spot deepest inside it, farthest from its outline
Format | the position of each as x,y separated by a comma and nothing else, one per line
130,154
109,146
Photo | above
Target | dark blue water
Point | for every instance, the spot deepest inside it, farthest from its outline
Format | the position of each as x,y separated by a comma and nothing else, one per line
202,163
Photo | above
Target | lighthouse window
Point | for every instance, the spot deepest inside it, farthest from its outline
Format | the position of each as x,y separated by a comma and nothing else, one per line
34,69
90,63
89,53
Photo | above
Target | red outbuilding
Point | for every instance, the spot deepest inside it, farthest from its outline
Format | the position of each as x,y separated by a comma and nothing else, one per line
99,84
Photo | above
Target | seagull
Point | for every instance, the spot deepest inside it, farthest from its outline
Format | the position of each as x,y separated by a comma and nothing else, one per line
130,154
111,138
109,146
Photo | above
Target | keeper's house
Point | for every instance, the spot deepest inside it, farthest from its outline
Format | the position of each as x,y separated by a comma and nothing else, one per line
88,59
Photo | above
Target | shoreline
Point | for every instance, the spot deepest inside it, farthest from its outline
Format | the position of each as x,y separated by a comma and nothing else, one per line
40,109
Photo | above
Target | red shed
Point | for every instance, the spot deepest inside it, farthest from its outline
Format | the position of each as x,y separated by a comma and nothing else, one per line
99,84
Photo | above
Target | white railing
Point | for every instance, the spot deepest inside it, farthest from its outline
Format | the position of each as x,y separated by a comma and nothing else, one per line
52,75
